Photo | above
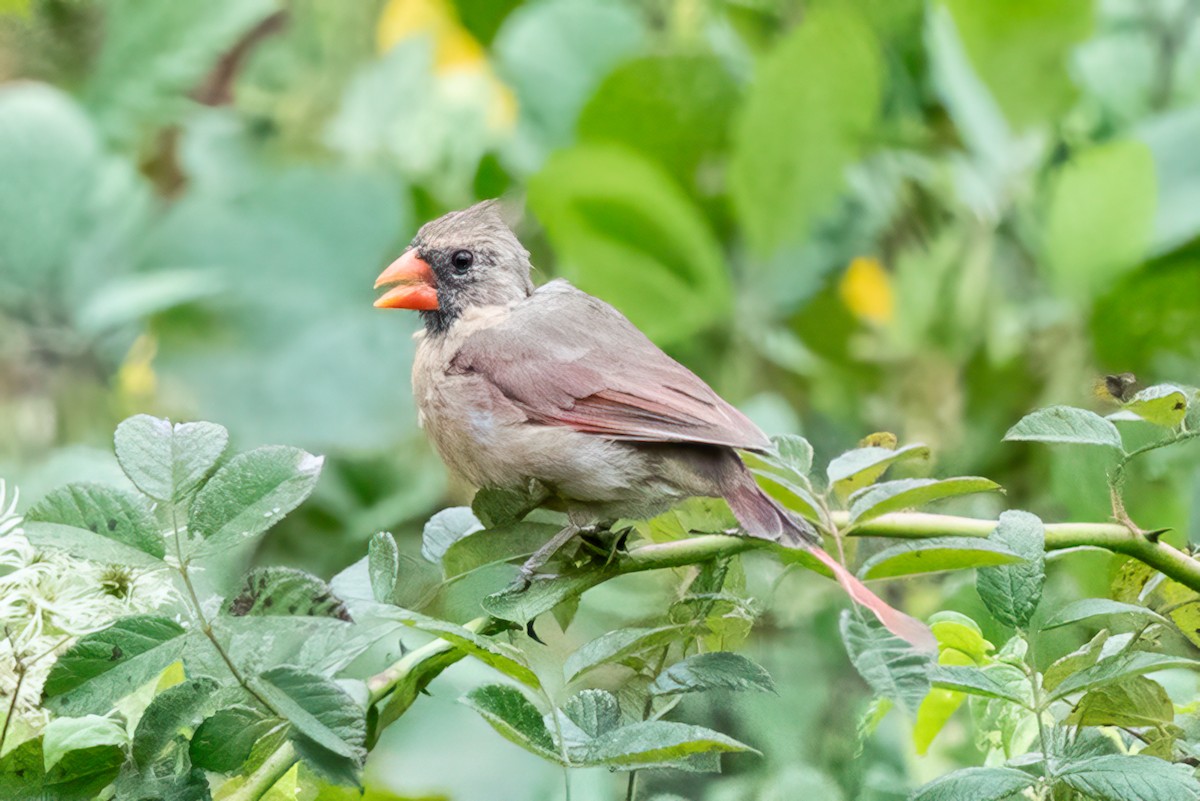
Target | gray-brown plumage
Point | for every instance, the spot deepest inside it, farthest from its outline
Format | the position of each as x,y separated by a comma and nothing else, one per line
516,384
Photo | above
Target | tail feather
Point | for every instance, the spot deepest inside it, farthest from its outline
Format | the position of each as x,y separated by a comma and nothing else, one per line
762,517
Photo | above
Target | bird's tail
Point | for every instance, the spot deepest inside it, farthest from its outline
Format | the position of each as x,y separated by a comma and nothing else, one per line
762,517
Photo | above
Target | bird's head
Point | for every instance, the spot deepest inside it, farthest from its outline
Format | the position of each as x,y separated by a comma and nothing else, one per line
461,260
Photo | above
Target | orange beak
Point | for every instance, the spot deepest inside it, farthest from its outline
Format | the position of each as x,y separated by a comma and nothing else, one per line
417,285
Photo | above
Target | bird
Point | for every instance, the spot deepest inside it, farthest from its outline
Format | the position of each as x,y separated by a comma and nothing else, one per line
518,385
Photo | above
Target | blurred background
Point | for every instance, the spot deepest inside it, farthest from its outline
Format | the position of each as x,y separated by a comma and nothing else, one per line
847,215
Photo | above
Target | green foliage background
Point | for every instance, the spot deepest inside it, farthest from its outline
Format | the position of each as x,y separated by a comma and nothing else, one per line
847,215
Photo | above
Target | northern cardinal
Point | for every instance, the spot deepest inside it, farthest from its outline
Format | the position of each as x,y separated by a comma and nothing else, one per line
515,383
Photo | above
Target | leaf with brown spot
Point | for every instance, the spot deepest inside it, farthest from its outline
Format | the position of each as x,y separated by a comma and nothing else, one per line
285,591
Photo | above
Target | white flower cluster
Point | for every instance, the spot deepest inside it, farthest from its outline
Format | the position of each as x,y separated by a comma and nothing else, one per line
47,600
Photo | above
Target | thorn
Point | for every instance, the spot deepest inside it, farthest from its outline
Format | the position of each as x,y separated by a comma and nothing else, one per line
623,541
1156,533
532,633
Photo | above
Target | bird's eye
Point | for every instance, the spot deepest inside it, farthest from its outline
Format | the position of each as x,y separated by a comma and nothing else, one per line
462,261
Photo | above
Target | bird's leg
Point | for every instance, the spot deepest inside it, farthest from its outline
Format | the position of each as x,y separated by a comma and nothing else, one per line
543,555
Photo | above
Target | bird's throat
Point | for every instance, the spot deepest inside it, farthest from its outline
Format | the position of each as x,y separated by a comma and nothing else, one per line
438,321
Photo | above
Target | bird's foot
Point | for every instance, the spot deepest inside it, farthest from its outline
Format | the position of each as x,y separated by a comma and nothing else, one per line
525,577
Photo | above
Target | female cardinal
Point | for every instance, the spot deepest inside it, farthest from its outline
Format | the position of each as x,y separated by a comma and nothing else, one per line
516,384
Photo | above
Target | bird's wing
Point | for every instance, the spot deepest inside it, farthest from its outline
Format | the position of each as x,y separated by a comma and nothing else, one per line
567,358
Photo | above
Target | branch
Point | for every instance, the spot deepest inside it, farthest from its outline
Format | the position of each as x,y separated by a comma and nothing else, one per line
412,672
917,525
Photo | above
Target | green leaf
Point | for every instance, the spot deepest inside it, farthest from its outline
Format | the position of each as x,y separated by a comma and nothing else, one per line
1171,137
285,591
625,232
794,139
674,109
224,741
553,54
1070,664
168,461
502,656
1133,702
934,555
250,493
935,711
173,712
170,779
106,665
794,451
975,113
974,681
1089,608
1119,667
855,469
317,708
1021,49
975,784
502,507
793,496
957,631
712,670
1162,404
97,523
891,667
616,646
892,496
446,528
516,719
79,775
1100,216
383,565
657,742
63,735
495,546
1118,777
1065,424
1012,592
50,156
130,299
595,712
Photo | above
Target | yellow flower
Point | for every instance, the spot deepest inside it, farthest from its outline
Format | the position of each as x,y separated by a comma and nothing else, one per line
136,381
866,289
455,50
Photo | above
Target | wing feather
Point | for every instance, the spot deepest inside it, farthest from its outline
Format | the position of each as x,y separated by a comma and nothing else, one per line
567,358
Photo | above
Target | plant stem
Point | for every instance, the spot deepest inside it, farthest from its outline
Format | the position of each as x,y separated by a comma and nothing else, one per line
647,707
260,782
383,682
12,705
1039,703
198,611
919,525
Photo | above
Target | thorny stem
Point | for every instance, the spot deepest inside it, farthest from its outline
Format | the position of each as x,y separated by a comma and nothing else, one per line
920,525
1116,479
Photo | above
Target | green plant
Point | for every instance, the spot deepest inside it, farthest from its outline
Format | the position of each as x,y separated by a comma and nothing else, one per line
249,681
